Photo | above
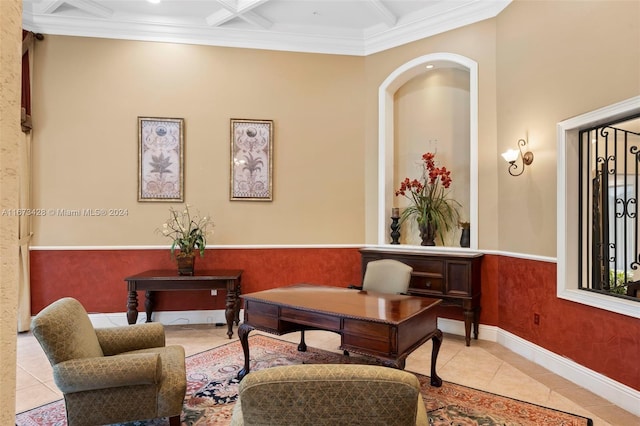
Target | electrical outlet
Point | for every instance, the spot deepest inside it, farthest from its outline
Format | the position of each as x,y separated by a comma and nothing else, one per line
536,319
214,292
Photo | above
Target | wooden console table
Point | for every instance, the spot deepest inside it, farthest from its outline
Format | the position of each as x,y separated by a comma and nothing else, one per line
169,280
452,277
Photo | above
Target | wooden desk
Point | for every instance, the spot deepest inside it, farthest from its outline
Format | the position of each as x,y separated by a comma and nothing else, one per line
169,280
450,276
385,326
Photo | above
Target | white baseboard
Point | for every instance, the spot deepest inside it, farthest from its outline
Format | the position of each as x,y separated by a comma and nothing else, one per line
619,394
164,317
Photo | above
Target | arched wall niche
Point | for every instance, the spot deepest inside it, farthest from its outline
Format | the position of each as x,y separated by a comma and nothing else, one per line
386,138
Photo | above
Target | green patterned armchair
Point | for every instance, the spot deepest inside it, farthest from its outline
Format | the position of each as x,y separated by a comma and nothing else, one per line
329,394
110,375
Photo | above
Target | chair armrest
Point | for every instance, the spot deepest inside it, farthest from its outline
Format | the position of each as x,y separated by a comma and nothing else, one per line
84,374
116,340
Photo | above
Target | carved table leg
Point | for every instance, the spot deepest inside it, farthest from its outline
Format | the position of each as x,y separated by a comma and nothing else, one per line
437,341
230,307
468,320
132,307
476,321
148,304
243,335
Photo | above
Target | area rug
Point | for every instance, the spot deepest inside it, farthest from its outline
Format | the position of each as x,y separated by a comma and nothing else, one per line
212,391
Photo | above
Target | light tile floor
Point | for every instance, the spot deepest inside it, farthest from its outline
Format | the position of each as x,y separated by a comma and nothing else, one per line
484,365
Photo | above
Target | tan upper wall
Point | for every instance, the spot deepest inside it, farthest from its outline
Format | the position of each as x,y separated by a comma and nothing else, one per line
555,60
538,63
89,92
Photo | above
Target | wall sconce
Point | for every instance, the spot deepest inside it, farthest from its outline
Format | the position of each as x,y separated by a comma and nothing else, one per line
511,156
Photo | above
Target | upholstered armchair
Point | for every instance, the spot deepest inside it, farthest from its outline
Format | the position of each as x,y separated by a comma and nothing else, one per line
110,375
329,394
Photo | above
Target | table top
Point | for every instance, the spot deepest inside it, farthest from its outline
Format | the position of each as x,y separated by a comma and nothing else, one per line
199,274
392,308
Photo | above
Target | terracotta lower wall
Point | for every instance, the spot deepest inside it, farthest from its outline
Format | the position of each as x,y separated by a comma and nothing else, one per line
600,340
96,277
513,290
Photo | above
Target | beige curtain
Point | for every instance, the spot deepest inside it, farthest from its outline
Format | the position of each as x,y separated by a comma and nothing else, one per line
24,234
24,183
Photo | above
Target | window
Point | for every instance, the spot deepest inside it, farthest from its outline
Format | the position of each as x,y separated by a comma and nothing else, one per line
608,238
572,262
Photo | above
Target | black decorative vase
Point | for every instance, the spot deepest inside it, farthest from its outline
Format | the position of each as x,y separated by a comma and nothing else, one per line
465,238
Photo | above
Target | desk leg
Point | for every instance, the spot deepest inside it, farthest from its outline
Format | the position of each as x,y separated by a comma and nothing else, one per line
148,304
230,307
437,341
243,335
132,307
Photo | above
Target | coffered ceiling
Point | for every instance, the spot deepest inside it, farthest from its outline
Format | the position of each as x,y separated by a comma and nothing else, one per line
349,27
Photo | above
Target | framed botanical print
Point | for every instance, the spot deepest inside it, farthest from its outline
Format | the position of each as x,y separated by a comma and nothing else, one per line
160,159
251,160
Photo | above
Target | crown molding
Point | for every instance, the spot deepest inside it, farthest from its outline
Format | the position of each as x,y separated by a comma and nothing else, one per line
281,39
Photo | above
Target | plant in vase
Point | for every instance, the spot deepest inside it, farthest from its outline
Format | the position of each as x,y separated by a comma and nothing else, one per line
430,203
188,232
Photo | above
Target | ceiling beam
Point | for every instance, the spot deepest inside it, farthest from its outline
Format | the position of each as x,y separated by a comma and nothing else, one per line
238,9
255,19
91,7
47,7
383,12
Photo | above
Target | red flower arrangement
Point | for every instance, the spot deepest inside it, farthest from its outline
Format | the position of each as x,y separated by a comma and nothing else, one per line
430,201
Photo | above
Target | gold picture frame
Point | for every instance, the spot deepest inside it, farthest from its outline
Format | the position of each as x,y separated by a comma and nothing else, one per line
251,160
160,159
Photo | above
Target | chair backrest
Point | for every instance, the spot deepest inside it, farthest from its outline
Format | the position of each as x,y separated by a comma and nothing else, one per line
387,276
329,394
65,332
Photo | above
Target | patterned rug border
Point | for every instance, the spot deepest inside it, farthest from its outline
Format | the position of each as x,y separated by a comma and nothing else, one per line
267,338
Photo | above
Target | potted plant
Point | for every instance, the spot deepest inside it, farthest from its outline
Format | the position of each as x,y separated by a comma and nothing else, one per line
188,233
430,202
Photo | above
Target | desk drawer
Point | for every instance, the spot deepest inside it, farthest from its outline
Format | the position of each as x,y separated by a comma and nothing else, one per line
260,308
371,330
261,314
312,319
260,320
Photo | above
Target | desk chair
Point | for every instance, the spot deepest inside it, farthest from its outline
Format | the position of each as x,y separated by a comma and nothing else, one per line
386,276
